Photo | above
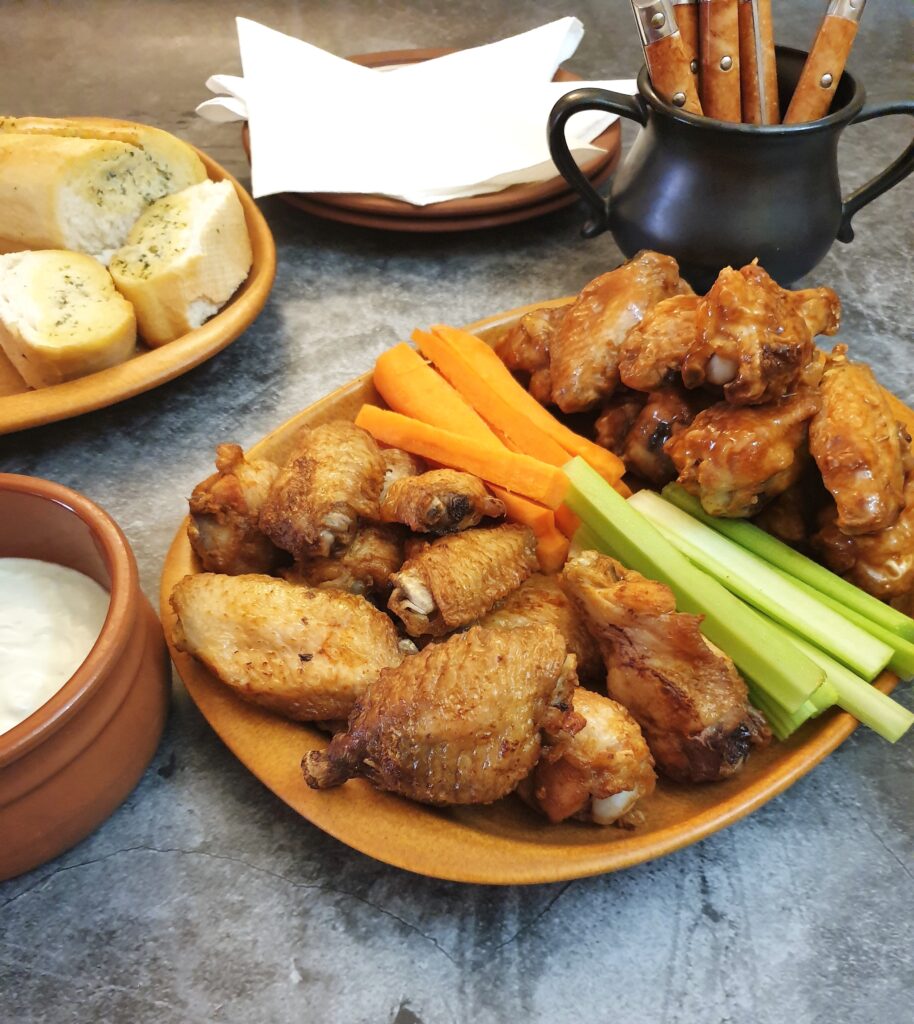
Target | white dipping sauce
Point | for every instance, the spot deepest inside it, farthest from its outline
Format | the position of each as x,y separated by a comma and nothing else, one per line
50,617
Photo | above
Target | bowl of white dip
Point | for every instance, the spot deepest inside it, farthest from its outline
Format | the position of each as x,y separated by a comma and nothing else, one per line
84,675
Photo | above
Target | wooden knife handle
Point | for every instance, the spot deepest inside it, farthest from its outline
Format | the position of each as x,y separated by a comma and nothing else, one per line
671,75
822,70
758,74
686,12
718,30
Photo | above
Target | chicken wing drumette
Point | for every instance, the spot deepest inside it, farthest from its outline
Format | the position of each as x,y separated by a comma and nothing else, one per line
686,695
306,654
525,349
224,528
364,567
334,477
663,414
651,355
439,501
461,722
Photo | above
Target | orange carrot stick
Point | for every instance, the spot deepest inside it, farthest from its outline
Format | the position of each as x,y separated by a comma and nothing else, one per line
566,521
551,545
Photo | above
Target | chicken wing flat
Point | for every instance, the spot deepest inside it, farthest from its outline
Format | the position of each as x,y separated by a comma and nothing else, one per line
653,351
364,567
584,352
440,501
398,465
686,695
735,459
541,600
664,413
525,349
616,419
456,579
224,528
462,722
858,447
603,773
332,479
306,654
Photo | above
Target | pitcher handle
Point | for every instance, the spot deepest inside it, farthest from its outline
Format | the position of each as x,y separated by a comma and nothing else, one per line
897,171
572,103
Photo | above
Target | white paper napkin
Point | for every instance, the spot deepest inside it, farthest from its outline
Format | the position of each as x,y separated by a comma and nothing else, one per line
469,123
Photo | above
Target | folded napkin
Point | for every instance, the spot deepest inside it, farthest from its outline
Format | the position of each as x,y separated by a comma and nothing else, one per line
469,123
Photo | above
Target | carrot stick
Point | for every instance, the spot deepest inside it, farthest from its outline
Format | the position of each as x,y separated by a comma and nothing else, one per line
518,473
566,521
551,545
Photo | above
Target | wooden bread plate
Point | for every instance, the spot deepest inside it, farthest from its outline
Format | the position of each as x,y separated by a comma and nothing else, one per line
504,843
21,407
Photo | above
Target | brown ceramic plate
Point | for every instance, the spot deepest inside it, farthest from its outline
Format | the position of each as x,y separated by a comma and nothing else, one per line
505,843
22,407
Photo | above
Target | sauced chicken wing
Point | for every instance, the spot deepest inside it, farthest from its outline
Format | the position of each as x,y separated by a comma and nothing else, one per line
541,600
735,459
753,338
858,447
439,501
304,653
224,528
458,578
584,352
616,419
364,567
686,695
652,353
662,415
332,479
462,722
398,465
603,773
525,348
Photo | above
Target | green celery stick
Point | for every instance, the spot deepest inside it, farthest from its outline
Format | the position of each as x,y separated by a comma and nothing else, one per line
782,724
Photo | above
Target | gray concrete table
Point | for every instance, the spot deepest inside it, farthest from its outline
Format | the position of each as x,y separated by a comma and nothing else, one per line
206,899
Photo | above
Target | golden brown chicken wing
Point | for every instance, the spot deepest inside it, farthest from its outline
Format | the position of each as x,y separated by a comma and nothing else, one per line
686,695
858,447
364,567
541,600
584,352
616,419
524,349
224,528
664,413
651,355
306,654
604,772
462,722
398,465
458,578
439,501
332,479
735,459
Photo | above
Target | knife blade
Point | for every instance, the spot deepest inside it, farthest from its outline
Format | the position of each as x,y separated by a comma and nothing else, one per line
686,12
665,54
758,73
718,43
824,66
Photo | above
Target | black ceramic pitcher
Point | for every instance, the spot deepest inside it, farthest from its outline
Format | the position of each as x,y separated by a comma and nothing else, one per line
712,193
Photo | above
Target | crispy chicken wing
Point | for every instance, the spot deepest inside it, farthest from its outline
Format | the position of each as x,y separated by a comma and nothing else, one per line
462,722
224,528
604,772
364,567
439,501
616,419
736,459
858,447
584,352
664,413
686,695
306,654
525,348
541,600
332,479
458,578
398,465
652,353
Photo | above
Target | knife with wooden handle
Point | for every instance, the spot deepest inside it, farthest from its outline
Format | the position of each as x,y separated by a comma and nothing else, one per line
825,63
686,12
718,43
665,54
758,73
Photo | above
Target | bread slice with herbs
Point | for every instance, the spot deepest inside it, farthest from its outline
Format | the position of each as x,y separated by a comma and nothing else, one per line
184,259
61,317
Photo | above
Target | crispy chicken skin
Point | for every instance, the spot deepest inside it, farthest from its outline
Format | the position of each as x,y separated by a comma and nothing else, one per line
225,508
462,722
584,352
604,772
456,579
652,353
686,695
616,419
439,501
306,654
753,339
664,413
541,600
333,478
398,465
364,567
735,459
524,348
858,447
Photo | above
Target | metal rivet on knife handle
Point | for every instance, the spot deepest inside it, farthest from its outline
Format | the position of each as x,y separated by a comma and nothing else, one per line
658,20
726,63
826,80
679,99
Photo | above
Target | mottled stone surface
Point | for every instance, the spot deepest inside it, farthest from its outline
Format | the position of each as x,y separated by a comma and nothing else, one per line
206,899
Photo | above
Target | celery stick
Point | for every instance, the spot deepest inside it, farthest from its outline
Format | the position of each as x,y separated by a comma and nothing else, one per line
758,650
782,723
754,580
772,550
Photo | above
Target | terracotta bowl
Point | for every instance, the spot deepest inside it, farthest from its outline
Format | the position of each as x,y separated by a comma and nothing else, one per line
73,761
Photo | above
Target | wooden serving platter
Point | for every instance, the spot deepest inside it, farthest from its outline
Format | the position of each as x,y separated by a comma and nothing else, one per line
504,843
